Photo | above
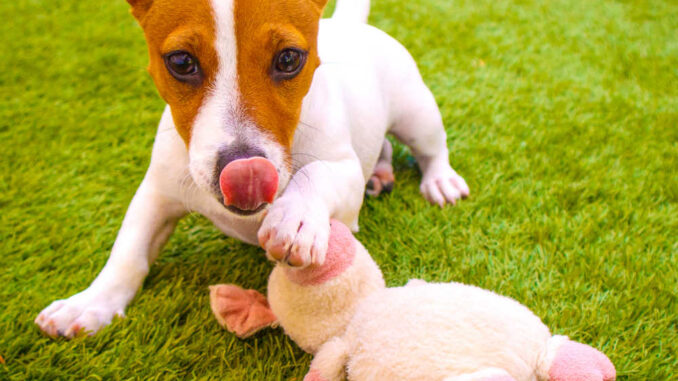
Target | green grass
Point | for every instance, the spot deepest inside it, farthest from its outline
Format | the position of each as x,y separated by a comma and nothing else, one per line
562,116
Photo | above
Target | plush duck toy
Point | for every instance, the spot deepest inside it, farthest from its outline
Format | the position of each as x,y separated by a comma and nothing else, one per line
358,329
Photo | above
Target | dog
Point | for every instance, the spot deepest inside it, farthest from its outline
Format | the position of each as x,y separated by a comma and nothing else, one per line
275,122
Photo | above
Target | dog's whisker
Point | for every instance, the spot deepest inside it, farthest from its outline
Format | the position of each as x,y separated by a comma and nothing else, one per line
309,125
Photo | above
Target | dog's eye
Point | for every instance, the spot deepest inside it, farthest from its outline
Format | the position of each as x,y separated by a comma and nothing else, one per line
183,66
288,63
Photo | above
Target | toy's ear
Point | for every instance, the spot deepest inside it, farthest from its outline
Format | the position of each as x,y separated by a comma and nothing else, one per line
140,7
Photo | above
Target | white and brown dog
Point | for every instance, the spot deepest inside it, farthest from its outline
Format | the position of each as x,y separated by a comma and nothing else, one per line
275,123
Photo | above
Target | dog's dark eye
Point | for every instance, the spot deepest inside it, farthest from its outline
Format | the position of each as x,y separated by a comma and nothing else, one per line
183,66
288,63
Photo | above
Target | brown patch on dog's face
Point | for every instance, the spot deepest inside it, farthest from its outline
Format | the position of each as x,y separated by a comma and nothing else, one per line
264,30
254,63
185,28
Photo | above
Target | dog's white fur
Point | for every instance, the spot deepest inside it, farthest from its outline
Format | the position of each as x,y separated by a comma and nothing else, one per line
366,86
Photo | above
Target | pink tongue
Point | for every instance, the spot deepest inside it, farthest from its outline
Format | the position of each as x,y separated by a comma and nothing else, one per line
248,183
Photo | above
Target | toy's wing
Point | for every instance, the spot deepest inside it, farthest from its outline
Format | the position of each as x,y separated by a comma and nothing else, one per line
242,312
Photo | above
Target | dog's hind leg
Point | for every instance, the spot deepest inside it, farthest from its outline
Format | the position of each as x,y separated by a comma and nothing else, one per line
419,125
382,178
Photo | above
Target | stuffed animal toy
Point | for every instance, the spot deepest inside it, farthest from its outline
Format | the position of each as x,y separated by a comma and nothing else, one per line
358,329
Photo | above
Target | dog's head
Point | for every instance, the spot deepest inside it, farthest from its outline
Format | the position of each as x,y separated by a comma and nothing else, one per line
234,73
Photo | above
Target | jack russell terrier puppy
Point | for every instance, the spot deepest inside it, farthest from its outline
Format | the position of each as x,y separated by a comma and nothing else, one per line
275,122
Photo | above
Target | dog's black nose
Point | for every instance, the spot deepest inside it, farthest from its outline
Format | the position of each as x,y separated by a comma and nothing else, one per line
234,152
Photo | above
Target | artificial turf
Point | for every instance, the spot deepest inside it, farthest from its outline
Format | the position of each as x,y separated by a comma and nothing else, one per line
562,116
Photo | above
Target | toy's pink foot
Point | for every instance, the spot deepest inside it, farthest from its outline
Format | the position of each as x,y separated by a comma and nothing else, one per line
240,311
314,375
579,362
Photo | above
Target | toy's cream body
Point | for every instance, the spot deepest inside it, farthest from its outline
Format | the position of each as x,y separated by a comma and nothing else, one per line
361,330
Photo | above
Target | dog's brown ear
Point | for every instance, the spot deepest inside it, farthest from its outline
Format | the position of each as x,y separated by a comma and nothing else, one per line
140,7
320,4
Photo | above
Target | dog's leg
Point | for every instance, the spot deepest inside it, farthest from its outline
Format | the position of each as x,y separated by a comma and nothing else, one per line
382,178
297,227
420,126
149,221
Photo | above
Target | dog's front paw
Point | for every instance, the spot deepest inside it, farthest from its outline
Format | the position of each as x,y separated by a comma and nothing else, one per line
443,186
296,231
82,312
